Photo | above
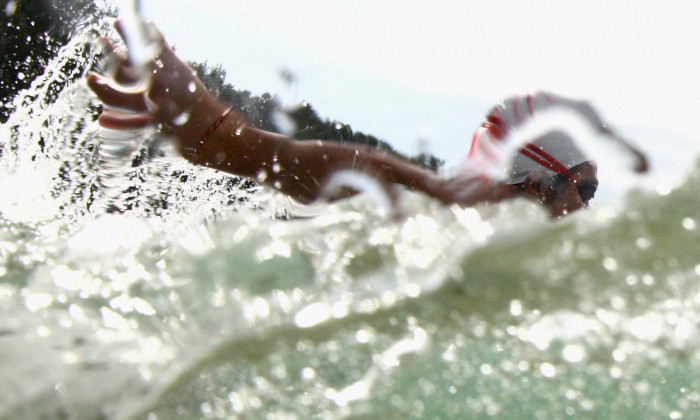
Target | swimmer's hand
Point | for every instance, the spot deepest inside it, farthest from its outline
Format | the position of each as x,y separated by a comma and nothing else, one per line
174,100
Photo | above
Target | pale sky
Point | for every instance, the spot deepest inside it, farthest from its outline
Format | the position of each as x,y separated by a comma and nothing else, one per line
406,70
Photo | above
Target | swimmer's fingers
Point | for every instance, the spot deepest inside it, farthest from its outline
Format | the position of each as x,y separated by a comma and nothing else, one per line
642,165
116,64
117,120
153,38
641,162
112,97
106,46
137,115
151,31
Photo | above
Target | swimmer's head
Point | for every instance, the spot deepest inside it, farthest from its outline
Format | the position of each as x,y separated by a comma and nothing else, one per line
553,171
555,153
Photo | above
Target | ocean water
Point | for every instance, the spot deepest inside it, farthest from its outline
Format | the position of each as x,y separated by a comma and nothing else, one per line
157,290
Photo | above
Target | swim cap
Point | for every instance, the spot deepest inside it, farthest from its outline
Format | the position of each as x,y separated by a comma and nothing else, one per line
554,152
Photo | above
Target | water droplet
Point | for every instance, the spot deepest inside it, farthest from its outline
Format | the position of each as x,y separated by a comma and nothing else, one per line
312,315
262,176
516,308
10,8
450,355
548,370
36,301
619,355
276,168
308,373
20,76
363,336
664,189
220,157
284,123
688,223
643,243
618,303
587,405
261,307
610,264
43,331
675,415
192,87
206,409
339,310
181,119
642,387
574,353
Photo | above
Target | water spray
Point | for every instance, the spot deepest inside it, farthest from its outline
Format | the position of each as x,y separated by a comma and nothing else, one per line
118,148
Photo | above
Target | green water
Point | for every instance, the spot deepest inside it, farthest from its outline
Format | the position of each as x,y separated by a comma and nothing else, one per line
592,317
572,320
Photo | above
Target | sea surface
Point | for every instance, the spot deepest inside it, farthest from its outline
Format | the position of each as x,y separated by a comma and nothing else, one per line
151,289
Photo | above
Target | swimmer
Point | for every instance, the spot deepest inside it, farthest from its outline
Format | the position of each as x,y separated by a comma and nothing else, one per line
550,169
214,135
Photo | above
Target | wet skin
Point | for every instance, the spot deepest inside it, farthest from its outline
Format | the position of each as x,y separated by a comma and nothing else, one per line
304,167
560,194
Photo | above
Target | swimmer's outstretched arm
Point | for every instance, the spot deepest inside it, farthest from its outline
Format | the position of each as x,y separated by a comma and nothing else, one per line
208,133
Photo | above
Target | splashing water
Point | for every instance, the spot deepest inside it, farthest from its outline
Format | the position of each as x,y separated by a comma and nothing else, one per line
141,44
117,148
160,310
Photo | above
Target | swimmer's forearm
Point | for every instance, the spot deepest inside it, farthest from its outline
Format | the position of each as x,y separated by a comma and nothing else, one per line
300,169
